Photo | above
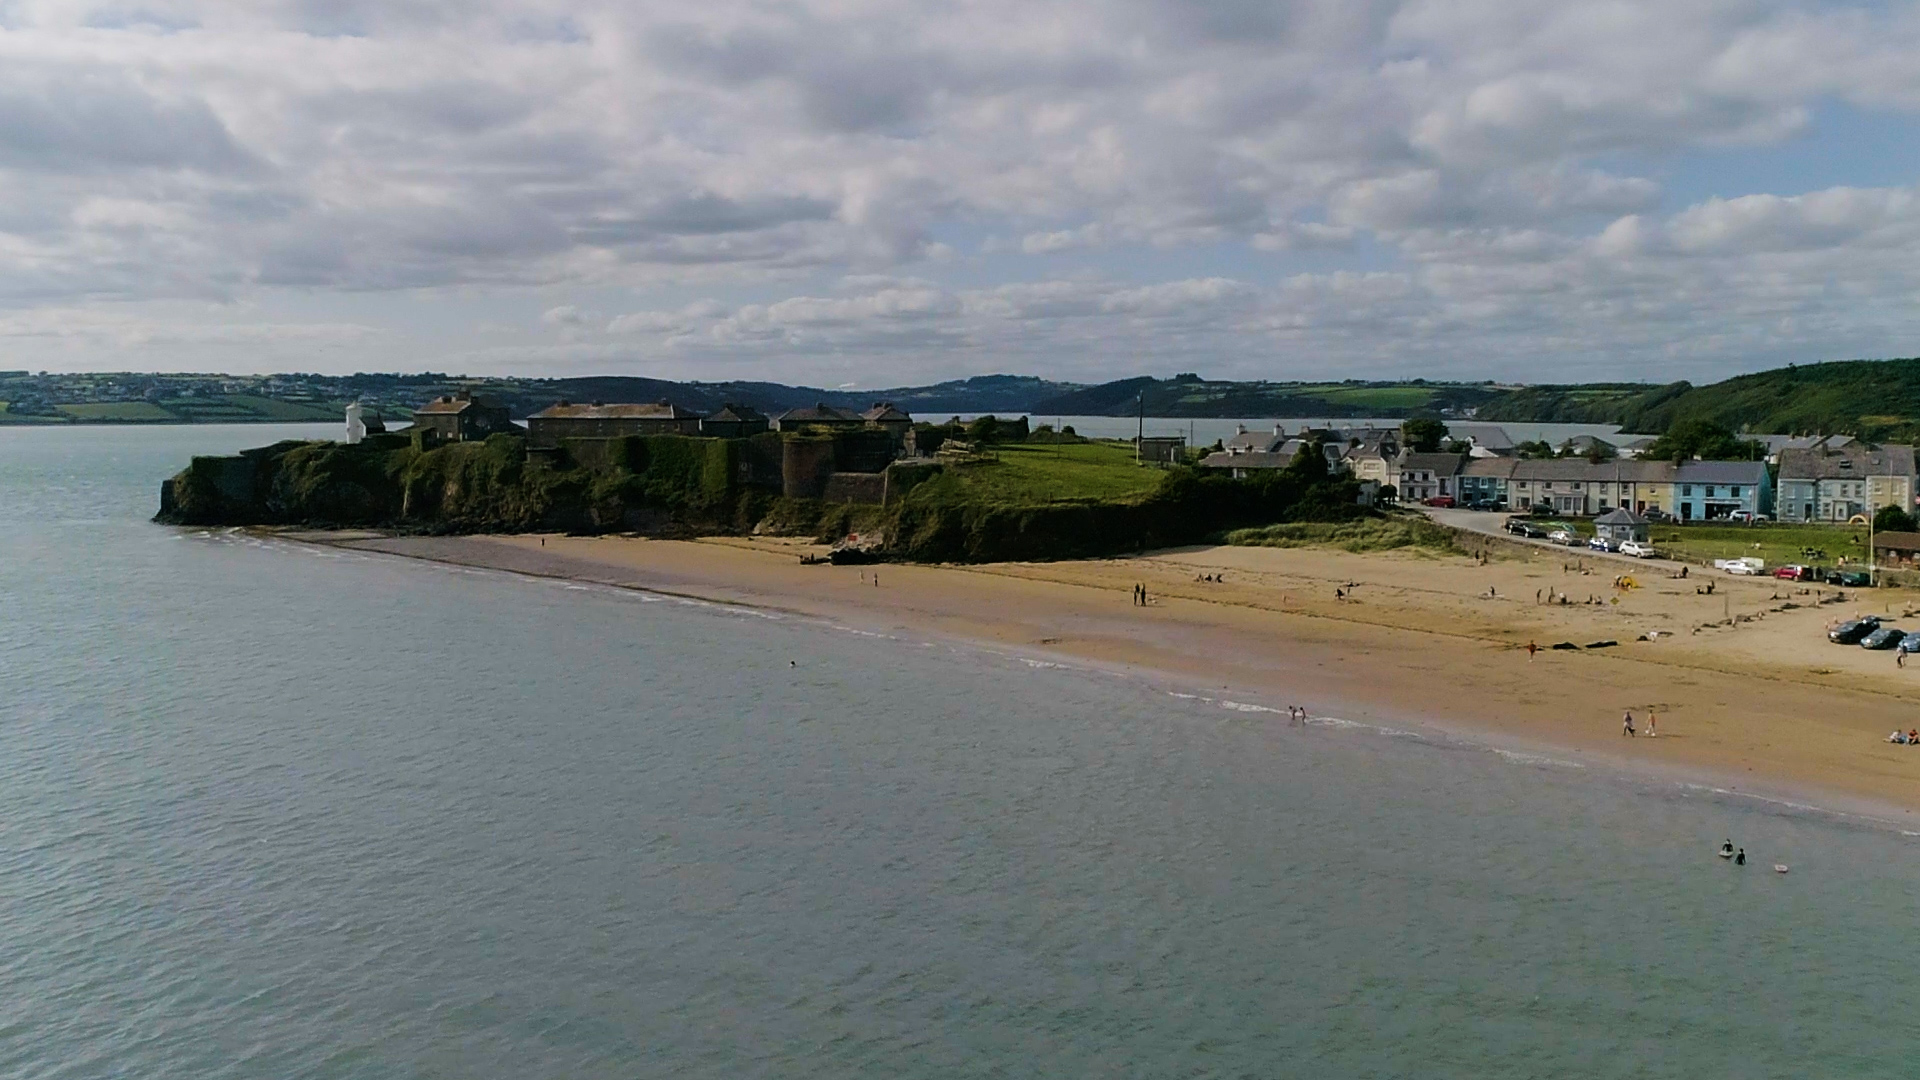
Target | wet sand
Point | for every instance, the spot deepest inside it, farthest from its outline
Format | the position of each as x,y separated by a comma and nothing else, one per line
1748,692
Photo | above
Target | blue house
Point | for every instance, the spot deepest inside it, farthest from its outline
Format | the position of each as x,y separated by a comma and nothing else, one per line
1708,490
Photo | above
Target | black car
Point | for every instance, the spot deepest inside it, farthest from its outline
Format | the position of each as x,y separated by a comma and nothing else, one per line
1886,637
1854,579
1853,630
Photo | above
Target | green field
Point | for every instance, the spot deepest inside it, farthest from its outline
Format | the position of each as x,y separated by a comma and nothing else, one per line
1775,544
284,410
119,412
1388,400
1029,474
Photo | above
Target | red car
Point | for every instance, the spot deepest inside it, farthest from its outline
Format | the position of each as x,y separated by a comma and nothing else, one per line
1794,572
1444,502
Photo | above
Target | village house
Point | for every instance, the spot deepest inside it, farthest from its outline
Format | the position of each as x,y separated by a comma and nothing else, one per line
565,420
1241,462
461,417
1422,476
1828,482
1371,456
1160,449
895,422
1711,490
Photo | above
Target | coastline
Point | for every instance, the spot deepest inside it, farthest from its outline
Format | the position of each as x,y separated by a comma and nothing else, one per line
1417,648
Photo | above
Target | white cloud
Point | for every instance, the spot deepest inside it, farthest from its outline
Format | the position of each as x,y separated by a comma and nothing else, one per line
1487,172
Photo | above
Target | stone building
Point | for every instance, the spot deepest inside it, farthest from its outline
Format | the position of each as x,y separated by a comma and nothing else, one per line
735,422
461,417
1829,482
565,420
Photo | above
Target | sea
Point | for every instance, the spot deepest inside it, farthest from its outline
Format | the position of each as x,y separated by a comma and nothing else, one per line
276,810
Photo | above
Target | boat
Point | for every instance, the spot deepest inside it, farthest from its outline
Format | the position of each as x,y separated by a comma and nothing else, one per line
1779,868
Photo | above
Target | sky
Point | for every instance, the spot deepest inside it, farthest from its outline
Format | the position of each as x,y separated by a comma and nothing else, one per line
871,192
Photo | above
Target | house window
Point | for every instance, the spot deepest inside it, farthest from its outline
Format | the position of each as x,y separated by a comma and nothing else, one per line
1576,485
1686,489
1733,492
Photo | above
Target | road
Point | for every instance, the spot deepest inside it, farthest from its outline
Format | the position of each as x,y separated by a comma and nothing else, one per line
1494,524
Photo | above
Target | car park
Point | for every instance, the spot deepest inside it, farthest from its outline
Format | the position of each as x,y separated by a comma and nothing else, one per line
1638,550
1851,631
1884,637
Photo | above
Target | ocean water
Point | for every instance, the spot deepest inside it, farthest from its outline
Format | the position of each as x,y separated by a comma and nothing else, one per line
273,811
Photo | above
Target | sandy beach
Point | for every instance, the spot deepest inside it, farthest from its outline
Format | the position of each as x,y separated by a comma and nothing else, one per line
1748,692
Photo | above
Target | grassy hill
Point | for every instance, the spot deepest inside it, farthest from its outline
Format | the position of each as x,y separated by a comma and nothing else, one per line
1190,395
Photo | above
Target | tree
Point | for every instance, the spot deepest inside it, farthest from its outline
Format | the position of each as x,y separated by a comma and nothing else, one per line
1423,435
1706,440
985,429
1893,519
1536,448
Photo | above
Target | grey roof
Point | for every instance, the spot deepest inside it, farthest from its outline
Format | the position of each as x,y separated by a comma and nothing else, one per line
742,414
885,412
1854,459
1445,464
821,413
1631,470
1620,516
1486,436
1244,440
1722,472
1583,443
1251,459
662,410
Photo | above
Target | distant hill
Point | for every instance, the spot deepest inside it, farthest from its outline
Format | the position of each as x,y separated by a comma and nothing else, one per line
1192,396
1872,398
982,393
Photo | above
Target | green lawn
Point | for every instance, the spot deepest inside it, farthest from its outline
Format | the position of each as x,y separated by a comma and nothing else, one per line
1032,473
1778,544
121,411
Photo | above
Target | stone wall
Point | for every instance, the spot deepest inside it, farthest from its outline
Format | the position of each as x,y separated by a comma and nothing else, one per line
855,487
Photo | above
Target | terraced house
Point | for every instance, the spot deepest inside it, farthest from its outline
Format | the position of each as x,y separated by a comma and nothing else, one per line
1710,490
1829,482
1571,485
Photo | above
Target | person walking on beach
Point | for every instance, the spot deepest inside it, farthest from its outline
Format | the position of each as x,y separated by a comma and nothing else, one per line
1899,658
1626,725
1652,730
1531,649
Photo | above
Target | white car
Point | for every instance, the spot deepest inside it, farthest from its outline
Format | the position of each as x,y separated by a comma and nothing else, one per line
1563,536
1747,565
1637,549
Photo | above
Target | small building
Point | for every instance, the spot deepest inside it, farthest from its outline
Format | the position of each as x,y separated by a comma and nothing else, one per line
1161,450
1243,463
1896,549
461,417
819,417
565,420
1245,442
1621,525
734,422
1712,490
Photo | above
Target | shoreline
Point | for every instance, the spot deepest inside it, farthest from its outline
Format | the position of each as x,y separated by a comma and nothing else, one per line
1730,727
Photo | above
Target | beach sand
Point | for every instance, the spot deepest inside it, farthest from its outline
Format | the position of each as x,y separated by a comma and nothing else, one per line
1749,694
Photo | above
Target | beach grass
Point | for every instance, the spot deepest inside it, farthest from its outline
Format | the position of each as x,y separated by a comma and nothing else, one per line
1364,535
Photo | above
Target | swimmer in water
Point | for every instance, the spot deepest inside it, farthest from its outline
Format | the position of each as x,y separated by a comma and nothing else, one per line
1740,859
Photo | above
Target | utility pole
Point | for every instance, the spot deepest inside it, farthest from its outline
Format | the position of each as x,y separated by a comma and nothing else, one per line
1140,433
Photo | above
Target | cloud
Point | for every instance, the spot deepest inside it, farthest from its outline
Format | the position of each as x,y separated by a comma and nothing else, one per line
1488,174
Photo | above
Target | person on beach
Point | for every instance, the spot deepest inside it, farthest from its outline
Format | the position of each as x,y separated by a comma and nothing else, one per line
1652,724
1626,724
1899,658
1531,649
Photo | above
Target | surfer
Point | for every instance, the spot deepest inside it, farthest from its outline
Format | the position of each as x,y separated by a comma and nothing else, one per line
1741,858
1726,849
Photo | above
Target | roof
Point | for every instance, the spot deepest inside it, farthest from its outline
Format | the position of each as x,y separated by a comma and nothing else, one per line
450,404
1722,472
1630,470
1244,440
1620,516
1853,460
820,413
738,414
1251,459
1490,436
1584,443
660,410
883,412
1431,462
1896,541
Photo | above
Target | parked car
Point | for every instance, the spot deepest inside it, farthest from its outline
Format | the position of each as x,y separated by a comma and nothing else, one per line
1483,504
1854,579
1745,517
1789,572
1565,536
1745,565
1851,631
1638,550
1885,637
1910,643
1602,543
1444,502
1657,514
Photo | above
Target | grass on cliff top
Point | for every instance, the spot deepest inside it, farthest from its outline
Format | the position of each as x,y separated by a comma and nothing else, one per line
1363,535
117,410
1028,474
